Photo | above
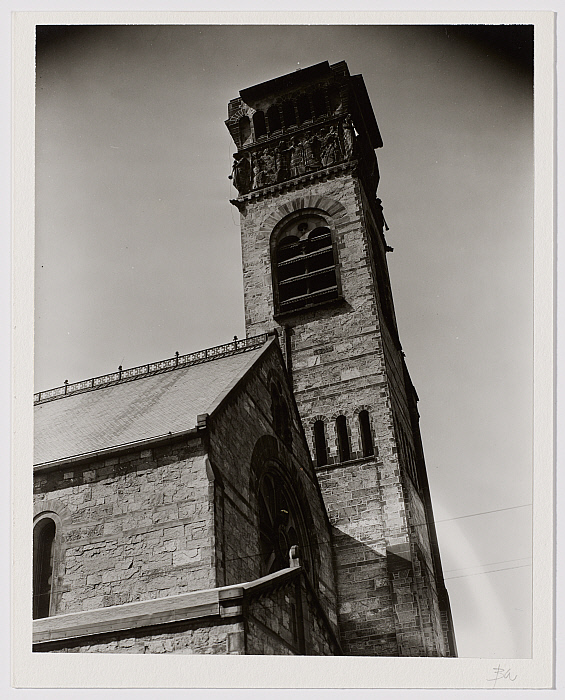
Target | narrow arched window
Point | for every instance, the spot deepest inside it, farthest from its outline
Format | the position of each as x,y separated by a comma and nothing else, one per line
244,130
274,118
335,100
289,115
320,444
304,112
366,436
259,124
319,102
43,550
342,439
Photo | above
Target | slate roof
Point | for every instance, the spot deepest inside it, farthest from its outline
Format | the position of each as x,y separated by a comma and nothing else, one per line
131,411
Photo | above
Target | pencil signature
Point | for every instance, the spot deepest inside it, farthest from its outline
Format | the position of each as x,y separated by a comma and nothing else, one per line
501,673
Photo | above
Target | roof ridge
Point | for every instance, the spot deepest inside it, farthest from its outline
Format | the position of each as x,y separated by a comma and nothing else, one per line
235,347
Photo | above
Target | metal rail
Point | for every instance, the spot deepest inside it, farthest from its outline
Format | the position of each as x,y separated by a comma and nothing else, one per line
193,358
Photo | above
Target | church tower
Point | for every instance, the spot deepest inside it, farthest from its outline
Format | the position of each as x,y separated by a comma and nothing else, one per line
314,266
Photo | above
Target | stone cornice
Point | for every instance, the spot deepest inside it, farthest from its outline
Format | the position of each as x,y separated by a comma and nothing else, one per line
295,183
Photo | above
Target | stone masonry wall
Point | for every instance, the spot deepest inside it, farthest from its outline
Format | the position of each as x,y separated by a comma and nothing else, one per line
425,608
286,621
345,360
243,440
272,623
199,637
133,527
366,611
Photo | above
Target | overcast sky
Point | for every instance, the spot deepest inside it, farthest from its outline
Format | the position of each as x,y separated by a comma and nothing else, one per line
138,251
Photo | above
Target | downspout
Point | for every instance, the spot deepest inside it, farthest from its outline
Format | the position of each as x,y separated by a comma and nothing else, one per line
287,331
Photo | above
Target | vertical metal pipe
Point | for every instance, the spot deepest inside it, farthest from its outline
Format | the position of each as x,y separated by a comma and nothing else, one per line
288,351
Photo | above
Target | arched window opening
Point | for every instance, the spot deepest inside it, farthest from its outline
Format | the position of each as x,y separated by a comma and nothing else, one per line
303,105
342,439
366,436
335,100
320,443
43,551
259,124
244,130
304,272
274,118
289,115
279,525
319,102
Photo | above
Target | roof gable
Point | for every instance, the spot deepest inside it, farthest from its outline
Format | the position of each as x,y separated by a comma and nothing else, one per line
133,411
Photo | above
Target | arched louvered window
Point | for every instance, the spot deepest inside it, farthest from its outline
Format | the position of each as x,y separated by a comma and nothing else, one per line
366,435
259,125
304,111
289,115
320,444
274,118
43,552
343,446
244,130
304,269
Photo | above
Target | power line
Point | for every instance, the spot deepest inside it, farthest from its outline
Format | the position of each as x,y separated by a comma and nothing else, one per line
492,563
484,512
444,520
480,573
459,517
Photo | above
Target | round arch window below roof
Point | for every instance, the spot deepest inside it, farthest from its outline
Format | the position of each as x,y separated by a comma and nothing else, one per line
244,130
259,125
274,118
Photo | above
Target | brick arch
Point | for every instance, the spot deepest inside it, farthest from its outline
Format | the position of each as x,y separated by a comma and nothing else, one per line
314,419
236,116
328,206
362,407
55,506
339,412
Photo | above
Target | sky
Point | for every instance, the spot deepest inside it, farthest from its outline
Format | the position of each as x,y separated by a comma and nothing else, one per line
138,249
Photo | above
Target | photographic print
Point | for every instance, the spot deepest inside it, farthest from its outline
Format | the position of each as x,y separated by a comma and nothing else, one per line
284,343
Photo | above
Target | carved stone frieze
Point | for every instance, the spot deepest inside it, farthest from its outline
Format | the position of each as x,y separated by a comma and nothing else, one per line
289,157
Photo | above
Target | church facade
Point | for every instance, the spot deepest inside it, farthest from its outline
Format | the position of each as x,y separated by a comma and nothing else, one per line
268,496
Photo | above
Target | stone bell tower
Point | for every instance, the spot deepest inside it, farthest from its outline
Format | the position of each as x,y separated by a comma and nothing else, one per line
314,266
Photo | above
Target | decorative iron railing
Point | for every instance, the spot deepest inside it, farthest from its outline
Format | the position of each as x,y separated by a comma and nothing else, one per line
194,358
